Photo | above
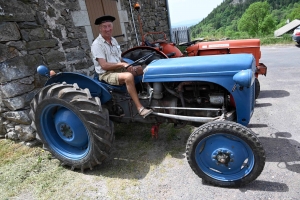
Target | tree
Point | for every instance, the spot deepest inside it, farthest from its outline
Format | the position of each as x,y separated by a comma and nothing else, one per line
253,18
295,14
268,25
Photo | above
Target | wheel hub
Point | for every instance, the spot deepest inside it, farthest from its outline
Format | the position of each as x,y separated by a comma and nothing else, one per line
66,130
222,156
70,128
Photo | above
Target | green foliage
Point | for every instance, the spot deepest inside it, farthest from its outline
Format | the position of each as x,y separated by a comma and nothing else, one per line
267,26
229,20
295,14
253,20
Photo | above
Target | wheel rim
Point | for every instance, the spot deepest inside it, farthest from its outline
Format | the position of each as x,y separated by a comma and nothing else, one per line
64,132
224,157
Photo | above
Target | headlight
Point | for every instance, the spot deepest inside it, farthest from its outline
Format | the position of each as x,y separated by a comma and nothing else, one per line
244,78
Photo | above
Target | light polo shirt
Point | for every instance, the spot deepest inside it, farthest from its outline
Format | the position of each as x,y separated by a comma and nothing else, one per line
102,49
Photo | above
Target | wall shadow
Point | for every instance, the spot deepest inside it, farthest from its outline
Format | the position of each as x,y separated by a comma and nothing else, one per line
273,94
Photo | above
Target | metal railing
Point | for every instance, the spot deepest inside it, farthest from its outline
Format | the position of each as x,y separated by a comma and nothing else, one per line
180,35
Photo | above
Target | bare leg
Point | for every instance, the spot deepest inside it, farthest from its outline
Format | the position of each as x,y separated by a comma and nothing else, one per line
128,79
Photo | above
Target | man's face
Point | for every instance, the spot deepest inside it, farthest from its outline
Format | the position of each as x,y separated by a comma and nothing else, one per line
106,29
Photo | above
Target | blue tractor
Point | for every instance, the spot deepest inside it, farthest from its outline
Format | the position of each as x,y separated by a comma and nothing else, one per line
73,114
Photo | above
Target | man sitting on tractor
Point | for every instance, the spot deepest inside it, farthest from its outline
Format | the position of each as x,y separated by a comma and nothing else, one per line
107,61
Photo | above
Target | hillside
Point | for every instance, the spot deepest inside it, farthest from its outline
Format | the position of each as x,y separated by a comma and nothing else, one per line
223,20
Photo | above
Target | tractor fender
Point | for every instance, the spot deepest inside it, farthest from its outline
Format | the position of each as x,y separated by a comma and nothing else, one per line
96,87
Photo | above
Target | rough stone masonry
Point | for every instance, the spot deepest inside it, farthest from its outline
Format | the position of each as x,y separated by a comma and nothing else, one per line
35,32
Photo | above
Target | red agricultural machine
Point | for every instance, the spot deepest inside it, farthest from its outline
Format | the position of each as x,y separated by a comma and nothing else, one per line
200,48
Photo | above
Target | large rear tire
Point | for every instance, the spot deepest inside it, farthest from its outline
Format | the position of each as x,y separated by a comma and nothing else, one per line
225,154
72,125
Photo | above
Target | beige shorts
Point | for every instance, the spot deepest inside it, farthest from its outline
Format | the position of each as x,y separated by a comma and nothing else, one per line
111,77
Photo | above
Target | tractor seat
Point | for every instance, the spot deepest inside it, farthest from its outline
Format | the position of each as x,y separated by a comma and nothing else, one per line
117,88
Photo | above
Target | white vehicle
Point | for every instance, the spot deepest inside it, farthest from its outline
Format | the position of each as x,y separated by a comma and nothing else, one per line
296,35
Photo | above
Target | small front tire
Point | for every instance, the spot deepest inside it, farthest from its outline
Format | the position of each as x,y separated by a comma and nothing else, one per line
257,88
225,154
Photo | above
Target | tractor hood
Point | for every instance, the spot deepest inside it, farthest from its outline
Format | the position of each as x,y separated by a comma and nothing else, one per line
197,67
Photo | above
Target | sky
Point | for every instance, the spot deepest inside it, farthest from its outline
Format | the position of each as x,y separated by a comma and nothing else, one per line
190,12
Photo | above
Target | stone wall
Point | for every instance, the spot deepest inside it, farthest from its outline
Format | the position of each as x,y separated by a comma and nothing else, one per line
153,17
35,32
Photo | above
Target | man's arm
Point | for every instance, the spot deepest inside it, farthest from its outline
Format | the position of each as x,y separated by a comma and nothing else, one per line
110,66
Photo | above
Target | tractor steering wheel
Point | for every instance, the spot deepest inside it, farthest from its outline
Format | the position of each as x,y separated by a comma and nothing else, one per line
141,60
147,43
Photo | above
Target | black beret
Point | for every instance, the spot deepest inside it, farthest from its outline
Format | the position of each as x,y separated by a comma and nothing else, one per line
105,18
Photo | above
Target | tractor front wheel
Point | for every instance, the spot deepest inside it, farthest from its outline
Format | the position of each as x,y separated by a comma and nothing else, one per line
72,125
225,154
257,88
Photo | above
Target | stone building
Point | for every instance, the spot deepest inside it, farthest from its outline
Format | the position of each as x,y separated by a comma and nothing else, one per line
58,34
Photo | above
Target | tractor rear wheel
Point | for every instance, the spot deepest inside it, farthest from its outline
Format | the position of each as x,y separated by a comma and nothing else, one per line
72,125
225,154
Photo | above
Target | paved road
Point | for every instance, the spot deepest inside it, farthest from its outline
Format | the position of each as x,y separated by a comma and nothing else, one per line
276,120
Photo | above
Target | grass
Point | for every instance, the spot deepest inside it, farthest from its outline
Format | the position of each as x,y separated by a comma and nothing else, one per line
32,173
285,39
29,172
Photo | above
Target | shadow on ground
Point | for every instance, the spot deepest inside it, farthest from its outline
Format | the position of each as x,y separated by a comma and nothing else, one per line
282,150
273,94
135,154
257,126
259,185
261,105
135,151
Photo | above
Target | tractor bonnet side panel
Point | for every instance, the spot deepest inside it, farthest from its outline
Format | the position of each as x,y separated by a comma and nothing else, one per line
218,69
196,68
